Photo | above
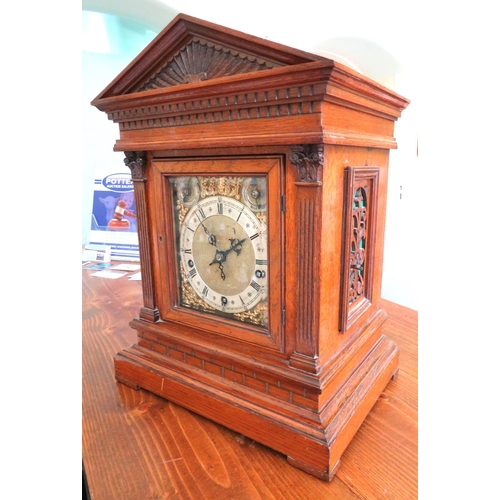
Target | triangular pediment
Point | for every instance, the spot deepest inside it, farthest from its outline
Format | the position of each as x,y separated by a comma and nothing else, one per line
201,59
191,50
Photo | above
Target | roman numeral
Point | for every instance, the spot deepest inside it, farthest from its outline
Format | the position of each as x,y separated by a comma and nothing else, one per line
220,208
202,213
193,273
260,262
255,285
205,291
254,236
187,250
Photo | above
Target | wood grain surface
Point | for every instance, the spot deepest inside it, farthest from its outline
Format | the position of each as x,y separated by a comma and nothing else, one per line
137,446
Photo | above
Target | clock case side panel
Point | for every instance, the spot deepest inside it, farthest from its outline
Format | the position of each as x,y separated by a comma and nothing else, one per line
351,164
345,346
180,321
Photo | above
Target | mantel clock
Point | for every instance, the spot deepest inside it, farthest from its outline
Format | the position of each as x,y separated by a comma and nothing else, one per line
260,179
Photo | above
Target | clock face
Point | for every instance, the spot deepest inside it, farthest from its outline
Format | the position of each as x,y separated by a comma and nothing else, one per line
222,246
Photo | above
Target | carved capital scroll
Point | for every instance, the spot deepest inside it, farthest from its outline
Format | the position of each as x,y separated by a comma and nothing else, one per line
136,161
308,160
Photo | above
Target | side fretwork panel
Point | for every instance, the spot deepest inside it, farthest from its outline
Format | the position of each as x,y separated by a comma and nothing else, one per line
358,242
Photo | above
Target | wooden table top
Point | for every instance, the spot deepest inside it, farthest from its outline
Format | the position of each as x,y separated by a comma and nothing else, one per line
138,446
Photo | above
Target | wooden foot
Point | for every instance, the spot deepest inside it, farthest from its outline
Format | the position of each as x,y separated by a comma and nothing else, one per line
325,476
127,382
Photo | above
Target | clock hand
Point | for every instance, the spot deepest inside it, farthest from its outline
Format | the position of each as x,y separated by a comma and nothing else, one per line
211,238
236,244
220,257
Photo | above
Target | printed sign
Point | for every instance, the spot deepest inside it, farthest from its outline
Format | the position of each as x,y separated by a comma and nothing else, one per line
113,220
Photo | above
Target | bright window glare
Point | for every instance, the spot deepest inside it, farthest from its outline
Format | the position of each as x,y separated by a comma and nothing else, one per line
94,34
114,35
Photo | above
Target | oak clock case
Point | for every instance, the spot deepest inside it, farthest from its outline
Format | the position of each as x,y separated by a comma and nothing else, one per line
260,177
217,243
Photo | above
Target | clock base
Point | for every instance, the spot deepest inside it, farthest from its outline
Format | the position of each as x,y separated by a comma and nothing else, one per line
313,439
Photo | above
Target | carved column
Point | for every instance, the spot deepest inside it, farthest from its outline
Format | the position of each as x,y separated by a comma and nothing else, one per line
137,161
308,161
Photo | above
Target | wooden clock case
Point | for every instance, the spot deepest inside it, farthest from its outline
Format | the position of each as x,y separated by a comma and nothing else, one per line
209,100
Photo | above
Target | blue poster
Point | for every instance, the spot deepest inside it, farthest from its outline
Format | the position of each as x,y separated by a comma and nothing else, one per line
114,220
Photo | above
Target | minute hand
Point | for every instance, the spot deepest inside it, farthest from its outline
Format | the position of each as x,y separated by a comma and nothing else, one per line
211,238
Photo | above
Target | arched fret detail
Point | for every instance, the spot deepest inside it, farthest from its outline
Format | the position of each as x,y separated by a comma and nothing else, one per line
361,189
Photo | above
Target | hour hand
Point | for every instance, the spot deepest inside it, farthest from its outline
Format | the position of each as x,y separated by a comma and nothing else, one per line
236,244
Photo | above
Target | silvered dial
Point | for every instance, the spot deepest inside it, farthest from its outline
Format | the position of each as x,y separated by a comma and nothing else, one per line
223,250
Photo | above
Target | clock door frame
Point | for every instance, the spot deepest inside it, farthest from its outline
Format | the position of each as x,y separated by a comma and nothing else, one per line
199,323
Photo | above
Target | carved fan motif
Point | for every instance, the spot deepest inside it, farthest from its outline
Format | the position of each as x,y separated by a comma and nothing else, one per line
202,60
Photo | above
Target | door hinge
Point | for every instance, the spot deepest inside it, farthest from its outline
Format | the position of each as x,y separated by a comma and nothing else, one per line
283,203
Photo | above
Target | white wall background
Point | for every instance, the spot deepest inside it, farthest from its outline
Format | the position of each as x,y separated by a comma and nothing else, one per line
368,36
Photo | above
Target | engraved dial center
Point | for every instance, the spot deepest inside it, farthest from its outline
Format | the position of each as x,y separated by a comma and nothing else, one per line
238,268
